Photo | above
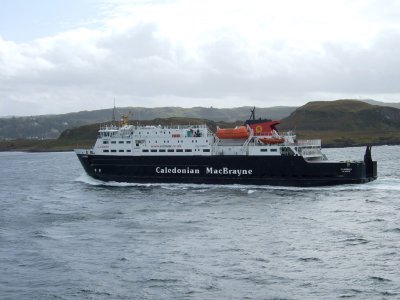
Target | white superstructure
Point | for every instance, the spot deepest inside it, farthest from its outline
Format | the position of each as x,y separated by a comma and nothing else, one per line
184,140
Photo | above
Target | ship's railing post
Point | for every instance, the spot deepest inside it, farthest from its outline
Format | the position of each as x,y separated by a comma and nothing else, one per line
245,147
215,145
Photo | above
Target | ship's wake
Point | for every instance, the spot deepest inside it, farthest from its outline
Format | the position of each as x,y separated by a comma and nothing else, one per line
380,184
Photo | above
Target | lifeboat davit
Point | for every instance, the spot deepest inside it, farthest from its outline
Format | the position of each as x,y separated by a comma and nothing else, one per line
239,132
272,140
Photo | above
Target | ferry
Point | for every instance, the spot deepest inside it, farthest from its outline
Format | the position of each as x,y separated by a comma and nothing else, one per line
252,154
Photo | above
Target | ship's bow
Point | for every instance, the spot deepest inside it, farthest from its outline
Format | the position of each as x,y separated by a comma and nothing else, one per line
84,157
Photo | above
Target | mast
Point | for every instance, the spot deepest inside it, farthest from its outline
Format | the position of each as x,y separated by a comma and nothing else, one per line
113,113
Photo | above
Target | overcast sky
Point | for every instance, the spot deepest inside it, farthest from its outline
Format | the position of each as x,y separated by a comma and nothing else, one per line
59,56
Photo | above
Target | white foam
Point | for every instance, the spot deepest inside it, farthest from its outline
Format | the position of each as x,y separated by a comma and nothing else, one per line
386,184
379,184
84,178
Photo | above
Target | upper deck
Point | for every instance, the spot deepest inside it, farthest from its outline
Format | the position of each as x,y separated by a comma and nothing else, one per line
181,140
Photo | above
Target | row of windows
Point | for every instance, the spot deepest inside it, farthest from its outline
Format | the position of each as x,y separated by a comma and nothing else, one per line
116,150
119,142
179,141
155,150
266,150
173,150
128,142
178,134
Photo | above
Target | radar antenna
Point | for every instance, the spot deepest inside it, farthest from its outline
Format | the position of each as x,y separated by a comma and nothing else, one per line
253,114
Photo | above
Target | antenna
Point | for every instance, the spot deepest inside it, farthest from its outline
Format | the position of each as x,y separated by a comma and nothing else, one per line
113,114
253,113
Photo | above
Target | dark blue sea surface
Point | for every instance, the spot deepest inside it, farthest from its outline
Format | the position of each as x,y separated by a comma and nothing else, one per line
64,235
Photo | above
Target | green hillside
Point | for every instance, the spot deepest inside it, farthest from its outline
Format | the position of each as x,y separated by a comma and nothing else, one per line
345,123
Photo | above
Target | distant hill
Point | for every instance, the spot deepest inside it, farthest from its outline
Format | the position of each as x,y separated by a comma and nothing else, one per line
314,116
345,123
51,126
380,103
338,123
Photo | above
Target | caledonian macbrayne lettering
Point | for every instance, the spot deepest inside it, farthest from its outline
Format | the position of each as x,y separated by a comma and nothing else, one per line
227,171
175,170
208,170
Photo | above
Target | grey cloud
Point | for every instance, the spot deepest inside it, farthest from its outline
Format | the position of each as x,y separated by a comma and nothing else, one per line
364,70
138,65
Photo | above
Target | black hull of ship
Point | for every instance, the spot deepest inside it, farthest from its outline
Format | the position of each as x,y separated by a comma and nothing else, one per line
249,170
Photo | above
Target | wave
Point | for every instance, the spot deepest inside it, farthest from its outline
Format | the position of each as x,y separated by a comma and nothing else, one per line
380,279
379,184
84,178
387,183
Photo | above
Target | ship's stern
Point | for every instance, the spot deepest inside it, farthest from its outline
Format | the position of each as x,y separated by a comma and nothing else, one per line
371,167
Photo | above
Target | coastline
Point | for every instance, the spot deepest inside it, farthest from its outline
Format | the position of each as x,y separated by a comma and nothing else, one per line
23,145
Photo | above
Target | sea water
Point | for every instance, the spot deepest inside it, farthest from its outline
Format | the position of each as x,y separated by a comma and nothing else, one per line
64,235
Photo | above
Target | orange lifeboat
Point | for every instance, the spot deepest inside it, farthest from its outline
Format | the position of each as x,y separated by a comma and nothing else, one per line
272,140
239,132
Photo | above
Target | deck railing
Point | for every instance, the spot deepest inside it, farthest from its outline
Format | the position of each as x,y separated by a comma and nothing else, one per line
309,143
